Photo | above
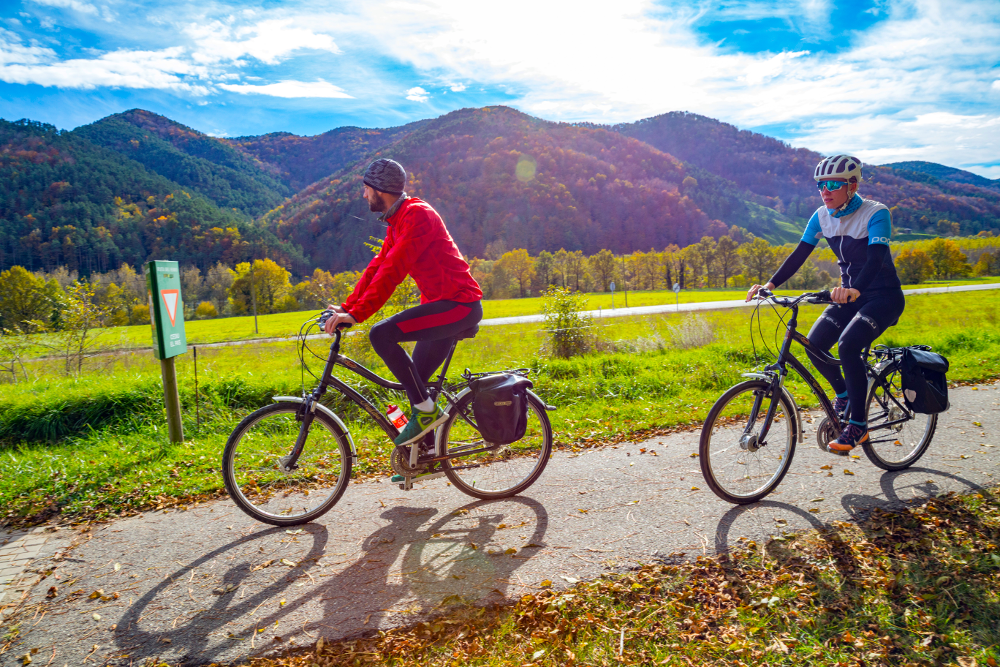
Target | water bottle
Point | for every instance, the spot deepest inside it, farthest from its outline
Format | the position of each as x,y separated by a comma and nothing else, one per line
396,416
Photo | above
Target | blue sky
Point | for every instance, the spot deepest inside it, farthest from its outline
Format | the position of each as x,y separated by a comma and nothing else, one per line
883,79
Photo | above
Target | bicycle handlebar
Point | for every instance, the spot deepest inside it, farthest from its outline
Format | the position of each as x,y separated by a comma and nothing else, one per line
820,298
326,315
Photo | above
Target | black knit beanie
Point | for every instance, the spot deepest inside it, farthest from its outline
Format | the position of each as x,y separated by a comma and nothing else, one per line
386,176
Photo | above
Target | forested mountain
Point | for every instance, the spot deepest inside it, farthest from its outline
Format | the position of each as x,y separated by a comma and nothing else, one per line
946,173
301,161
230,177
136,186
781,176
66,201
496,174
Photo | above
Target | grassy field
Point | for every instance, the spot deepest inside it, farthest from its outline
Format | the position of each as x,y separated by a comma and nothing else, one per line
283,325
919,587
96,446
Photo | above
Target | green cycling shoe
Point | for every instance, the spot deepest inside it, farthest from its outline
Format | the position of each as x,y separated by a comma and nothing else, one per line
419,424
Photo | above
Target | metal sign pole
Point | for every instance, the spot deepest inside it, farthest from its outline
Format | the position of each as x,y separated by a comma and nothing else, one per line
166,311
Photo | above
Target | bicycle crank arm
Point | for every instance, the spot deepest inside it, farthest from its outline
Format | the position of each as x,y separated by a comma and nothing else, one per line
407,484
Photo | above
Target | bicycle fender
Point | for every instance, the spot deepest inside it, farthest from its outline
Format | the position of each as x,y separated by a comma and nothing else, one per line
797,424
329,413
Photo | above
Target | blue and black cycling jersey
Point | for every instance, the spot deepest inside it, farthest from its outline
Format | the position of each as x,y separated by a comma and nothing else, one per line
859,236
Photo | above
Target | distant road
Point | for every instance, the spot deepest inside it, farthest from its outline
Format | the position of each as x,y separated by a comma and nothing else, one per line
706,305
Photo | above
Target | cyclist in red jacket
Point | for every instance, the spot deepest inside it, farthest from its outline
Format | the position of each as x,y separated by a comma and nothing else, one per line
416,244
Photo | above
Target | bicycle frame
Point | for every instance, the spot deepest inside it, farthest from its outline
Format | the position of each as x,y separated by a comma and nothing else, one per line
310,402
777,371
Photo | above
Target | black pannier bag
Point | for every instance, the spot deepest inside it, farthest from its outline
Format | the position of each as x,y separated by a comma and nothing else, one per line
500,405
925,387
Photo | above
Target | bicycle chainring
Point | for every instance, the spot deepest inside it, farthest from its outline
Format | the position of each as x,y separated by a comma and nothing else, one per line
826,433
400,460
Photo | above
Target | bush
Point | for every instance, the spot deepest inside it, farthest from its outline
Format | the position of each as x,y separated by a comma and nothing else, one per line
140,315
206,311
695,331
564,322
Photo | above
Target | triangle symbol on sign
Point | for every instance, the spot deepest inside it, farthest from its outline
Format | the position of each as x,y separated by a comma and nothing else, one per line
170,298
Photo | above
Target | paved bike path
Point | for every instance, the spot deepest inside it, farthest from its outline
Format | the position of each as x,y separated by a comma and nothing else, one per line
210,585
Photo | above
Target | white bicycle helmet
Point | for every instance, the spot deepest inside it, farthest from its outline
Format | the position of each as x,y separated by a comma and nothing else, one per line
838,166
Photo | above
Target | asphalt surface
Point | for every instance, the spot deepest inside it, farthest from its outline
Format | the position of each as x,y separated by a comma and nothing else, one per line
210,585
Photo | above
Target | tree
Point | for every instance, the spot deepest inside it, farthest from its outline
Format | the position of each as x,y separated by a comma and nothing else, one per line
519,266
576,266
948,258
914,266
707,248
270,282
24,297
988,264
691,266
560,262
603,269
544,270
218,280
727,259
206,311
192,284
668,265
81,315
322,289
759,260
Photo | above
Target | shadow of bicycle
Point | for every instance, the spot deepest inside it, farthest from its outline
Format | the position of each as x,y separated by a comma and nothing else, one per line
411,567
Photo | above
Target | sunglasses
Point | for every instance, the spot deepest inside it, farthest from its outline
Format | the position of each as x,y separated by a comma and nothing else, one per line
831,186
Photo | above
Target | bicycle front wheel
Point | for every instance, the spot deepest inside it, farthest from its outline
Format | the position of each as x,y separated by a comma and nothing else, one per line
256,480
897,436
502,470
737,466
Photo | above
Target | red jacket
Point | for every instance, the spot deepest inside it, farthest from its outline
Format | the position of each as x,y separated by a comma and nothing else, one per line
417,244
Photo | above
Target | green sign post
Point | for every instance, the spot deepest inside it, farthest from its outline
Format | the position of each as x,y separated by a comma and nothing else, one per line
166,310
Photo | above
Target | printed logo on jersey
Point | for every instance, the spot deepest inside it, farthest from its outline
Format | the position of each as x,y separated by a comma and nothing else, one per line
880,239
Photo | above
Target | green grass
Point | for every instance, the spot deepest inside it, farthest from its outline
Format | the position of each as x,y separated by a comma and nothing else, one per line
96,445
918,587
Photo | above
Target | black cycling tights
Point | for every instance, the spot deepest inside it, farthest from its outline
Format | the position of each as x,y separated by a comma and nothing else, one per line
433,326
854,326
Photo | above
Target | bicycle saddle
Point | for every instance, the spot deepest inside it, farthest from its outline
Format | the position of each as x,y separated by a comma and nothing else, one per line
468,333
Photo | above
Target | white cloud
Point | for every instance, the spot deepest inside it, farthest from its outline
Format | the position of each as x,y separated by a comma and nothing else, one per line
268,41
459,87
82,7
290,89
996,85
417,94
163,70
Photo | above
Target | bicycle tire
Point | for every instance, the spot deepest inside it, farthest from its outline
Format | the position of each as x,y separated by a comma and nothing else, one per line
264,491
726,434
879,409
506,458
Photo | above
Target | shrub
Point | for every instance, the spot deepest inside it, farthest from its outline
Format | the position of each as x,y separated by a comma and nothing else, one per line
564,322
206,311
694,331
914,266
140,315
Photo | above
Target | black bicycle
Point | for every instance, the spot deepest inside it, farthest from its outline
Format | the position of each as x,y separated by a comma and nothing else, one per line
290,462
749,437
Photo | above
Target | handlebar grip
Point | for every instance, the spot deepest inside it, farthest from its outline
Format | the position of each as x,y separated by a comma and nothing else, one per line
344,325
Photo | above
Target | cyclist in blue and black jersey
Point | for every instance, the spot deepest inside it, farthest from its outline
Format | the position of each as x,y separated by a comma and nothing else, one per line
870,298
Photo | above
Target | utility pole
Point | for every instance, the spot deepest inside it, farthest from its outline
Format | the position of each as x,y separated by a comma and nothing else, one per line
625,281
253,296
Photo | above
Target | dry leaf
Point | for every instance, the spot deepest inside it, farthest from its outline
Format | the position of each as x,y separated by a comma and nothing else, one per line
546,583
510,551
694,488
695,455
99,593
97,617
285,561
817,500
847,472
118,566
282,603
571,580
825,467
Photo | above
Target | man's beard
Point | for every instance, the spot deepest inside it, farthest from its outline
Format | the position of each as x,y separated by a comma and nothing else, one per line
376,205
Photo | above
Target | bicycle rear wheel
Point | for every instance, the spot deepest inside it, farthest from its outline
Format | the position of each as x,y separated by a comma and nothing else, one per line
254,476
736,466
504,470
897,436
